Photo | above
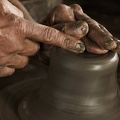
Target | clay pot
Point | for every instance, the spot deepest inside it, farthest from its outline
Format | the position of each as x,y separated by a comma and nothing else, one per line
78,87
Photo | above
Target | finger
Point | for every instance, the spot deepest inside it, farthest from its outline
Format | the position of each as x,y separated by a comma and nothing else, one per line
18,61
61,13
105,30
102,38
76,7
4,60
76,29
117,49
117,41
10,8
49,35
6,71
10,46
92,47
30,48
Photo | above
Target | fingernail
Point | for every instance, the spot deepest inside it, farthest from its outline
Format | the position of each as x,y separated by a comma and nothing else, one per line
80,48
83,29
117,41
109,42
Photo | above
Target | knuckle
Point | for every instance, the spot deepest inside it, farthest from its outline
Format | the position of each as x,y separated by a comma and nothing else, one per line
19,26
18,61
76,7
6,71
22,63
7,19
34,49
61,6
31,49
65,42
18,48
15,48
10,18
50,34
62,13
4,60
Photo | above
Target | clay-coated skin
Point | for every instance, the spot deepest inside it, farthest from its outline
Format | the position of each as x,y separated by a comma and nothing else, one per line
98,40
78,87
19,38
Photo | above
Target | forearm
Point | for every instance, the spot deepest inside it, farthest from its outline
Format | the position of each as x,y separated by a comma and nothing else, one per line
18,4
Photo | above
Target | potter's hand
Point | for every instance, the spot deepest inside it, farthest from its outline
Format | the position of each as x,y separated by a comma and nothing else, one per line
18,38
98,39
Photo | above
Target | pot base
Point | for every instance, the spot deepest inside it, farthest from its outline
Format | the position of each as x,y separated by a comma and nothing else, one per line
11,96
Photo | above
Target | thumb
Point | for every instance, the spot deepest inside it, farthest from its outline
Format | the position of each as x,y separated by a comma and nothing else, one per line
49,35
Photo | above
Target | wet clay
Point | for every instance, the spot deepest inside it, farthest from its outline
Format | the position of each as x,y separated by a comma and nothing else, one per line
78,87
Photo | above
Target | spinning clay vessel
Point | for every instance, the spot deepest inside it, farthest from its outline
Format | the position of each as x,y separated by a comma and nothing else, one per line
78,87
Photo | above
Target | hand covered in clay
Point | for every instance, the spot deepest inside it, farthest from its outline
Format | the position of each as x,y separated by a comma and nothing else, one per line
19,38
98,40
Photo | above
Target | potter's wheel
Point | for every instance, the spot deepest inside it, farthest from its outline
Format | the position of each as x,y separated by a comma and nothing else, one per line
29,100
12,95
